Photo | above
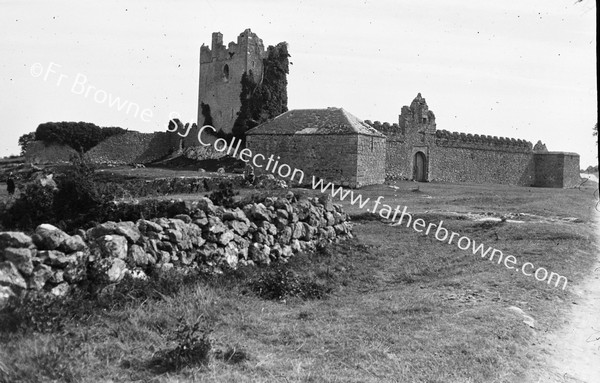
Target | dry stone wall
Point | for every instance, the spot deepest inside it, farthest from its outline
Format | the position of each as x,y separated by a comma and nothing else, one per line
40,153
134,147
206,237
140,187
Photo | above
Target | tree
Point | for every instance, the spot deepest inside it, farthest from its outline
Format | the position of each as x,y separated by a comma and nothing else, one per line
24,141
81,136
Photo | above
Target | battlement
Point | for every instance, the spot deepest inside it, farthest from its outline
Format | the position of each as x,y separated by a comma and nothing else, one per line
476,141
385,128
247,43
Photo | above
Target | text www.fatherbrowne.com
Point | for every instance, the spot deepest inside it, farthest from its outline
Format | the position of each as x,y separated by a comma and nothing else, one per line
419,225
400,217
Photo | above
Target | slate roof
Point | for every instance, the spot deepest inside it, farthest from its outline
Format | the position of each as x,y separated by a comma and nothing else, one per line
330,121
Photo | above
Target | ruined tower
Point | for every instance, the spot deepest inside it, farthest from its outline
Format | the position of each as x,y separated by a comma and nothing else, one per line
221,70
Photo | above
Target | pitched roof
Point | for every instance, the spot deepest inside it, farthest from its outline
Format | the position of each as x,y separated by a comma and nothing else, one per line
328,121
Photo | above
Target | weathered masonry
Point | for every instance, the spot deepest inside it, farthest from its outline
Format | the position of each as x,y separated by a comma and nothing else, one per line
328,143
416,150
221,70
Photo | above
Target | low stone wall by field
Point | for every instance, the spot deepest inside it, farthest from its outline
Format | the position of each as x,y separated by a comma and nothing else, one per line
178,185
188,185
206,237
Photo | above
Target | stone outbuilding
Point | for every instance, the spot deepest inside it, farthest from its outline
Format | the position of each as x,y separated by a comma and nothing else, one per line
326,143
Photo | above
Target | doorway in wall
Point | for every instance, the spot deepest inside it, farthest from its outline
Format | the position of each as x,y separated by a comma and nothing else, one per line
420,170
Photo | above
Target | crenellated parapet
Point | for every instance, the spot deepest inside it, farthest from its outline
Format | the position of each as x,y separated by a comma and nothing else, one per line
386,128
247,43
476,141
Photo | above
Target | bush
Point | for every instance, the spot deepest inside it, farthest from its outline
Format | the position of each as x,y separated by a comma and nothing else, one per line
156,287
224,196
78,193
193,348
77,200
45,313
280,283
35,205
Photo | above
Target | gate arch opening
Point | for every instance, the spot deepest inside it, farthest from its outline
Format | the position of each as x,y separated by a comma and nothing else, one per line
420,167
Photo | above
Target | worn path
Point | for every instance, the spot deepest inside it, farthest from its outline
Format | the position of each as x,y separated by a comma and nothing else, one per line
574,350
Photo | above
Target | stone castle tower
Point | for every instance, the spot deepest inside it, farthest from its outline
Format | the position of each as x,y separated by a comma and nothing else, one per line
221,70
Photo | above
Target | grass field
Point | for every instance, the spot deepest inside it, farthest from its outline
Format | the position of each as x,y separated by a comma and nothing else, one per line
402,306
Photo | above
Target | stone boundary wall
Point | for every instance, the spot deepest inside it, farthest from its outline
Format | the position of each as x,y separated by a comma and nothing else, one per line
397,153
188,185
178,185
206,237
465,164
483,142
134,147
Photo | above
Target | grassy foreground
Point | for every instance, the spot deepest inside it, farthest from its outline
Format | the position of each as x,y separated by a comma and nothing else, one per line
399,306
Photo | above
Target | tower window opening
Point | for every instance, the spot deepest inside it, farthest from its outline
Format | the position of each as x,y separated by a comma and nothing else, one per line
226,72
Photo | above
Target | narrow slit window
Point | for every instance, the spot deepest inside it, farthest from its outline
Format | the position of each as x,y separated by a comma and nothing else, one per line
226,72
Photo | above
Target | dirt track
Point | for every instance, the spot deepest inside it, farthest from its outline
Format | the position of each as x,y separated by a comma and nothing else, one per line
574,350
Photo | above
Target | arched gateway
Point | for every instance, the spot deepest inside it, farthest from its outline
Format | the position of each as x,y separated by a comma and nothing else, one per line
420,167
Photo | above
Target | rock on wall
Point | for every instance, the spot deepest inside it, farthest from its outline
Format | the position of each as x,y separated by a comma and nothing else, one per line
556,169
331,157
207,238
134,147
40,153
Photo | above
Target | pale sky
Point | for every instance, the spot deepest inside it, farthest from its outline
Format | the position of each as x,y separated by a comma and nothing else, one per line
513,68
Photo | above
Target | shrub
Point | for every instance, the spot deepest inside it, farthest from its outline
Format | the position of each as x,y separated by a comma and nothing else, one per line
279,283
77,200
193,348
78,193
156,287
45,313
48,361
224,196
35,205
